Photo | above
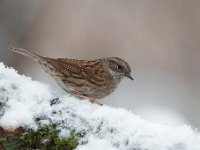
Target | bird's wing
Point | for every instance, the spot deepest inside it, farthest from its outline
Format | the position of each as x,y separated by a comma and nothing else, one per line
92,71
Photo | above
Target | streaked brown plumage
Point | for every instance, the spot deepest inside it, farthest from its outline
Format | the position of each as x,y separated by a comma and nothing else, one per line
93,79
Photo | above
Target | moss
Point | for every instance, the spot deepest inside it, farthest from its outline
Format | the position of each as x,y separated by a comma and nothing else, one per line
44,138
8,144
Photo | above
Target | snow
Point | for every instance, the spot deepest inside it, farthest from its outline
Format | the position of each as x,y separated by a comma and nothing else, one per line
105,128
97,144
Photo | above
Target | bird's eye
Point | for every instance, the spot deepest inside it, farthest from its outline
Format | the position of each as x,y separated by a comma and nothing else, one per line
119,67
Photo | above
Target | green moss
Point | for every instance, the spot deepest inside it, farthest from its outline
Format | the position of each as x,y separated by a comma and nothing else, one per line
8,144
45,138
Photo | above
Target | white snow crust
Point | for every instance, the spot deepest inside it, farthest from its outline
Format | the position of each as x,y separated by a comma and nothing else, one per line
105,128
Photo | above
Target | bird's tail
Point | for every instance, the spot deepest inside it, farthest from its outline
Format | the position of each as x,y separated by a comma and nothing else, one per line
27,53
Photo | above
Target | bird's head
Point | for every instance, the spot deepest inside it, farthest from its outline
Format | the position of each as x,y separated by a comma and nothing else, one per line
119,68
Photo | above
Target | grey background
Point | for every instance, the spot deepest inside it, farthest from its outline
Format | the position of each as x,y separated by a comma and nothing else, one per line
160,40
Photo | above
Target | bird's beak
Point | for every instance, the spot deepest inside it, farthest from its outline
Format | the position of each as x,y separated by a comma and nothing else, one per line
129,76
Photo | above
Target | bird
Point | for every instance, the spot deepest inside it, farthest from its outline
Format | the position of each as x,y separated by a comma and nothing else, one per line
86,79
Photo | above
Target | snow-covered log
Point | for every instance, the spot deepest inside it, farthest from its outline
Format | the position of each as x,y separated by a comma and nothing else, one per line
32,106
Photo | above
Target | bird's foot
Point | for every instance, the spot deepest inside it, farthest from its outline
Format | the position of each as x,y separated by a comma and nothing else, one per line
90,99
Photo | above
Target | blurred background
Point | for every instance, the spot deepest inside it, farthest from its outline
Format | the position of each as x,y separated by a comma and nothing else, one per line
159,39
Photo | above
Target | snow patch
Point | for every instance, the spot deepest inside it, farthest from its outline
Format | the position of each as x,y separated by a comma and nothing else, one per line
103,127
97,144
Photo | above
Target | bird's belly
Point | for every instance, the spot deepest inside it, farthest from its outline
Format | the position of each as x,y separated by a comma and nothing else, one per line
100,92
89,89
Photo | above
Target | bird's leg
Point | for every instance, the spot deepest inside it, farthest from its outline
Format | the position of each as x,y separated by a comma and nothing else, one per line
92,100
